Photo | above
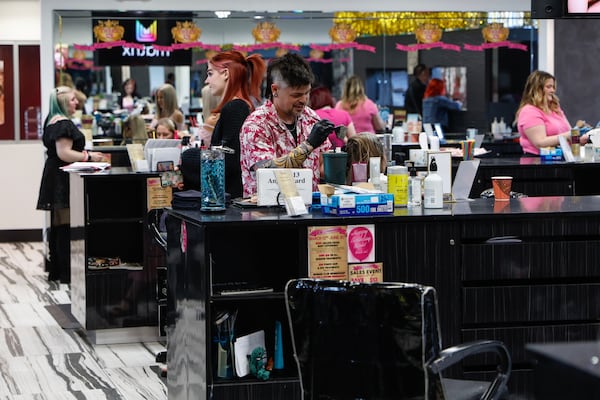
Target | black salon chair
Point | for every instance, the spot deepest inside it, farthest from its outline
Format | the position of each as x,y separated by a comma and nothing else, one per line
379,341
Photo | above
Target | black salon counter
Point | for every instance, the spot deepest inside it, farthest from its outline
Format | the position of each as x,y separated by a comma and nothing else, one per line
521,271
515,208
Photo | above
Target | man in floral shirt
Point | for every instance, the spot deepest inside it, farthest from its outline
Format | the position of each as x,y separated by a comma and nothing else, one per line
284,132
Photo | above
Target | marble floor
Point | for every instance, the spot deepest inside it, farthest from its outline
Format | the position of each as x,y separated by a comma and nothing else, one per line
40,360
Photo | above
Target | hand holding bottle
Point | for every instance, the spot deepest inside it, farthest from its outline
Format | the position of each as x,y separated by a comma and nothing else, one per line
319,133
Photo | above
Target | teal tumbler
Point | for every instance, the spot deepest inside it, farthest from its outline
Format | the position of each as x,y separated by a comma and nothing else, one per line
212,167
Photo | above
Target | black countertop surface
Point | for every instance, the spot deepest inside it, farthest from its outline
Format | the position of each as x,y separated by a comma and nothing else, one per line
477,208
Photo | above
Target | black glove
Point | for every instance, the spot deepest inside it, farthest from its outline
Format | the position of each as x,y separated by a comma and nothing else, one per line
319,132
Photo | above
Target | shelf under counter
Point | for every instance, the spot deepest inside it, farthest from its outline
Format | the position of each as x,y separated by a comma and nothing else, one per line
118,303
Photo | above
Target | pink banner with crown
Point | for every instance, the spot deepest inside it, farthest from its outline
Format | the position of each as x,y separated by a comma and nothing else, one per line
340,46
484,46
427,46
264,46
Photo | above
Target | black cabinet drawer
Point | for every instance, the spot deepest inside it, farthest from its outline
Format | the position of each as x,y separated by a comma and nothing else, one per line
541,228
531,304
539,260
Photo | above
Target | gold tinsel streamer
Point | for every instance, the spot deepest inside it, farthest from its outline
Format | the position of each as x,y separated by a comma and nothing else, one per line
398,23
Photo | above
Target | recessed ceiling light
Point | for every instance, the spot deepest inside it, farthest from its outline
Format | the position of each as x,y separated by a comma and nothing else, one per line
222,14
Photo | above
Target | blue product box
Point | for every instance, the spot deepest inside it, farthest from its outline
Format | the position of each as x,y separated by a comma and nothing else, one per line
358,204
551,154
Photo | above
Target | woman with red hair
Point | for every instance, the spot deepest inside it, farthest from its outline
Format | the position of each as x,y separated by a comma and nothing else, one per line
237,80
436,104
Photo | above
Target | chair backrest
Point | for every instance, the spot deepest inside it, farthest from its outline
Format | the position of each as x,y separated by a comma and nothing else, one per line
369,341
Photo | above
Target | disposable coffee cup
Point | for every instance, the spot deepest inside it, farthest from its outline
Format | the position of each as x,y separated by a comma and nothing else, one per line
502,186
334,166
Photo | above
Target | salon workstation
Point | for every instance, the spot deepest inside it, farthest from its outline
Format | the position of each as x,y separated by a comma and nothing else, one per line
496,247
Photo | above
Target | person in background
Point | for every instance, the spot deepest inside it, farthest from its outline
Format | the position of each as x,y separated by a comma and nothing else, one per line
235,78
540,119
416,90
129,95
64,145
362,110
209,102
284,132
134,130
66,80
167,106
82,93
170,79
360,148
322,102
165,129
436,104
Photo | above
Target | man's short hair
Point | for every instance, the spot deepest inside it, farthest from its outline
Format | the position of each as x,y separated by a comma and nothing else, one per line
291,69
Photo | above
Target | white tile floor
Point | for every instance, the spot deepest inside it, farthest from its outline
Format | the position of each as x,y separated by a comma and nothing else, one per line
40,360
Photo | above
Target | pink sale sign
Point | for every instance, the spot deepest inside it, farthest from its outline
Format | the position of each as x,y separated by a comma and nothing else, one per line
361,244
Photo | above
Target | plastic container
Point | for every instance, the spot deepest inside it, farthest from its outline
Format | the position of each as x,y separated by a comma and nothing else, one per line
398,184
415,188
334,167
434,187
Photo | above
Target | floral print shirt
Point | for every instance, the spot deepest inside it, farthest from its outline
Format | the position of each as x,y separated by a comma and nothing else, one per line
264,136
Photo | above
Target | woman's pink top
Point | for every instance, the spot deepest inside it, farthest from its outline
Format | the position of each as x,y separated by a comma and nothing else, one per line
530,116
362,116
338,117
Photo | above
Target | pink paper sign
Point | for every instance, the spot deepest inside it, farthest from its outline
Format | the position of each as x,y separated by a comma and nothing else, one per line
361,244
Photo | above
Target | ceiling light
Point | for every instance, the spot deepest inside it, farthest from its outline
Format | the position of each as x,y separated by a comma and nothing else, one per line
222,14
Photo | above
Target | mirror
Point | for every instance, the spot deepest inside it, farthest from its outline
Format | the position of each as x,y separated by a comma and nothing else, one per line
492,76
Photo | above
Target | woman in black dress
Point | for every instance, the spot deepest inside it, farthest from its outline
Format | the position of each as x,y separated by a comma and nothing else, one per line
237,80
64,145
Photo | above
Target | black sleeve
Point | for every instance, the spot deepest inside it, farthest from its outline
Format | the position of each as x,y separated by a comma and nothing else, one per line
227,133
410,103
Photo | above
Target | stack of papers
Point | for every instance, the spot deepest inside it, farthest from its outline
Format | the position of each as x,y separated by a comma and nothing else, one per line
85,166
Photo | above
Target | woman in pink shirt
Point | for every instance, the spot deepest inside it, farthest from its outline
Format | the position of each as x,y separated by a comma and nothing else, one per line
322,102
363,111
540,119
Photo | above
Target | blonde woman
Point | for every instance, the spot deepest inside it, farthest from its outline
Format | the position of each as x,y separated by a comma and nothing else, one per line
540,120
360,148
363,110
167,106
135,130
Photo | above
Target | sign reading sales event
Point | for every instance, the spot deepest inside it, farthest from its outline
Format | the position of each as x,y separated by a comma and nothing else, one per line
135,34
